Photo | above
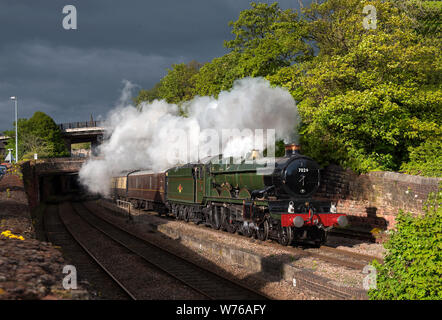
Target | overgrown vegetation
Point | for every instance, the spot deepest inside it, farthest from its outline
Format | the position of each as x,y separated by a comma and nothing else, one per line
81,146
412,268
425,159
40,135
370,99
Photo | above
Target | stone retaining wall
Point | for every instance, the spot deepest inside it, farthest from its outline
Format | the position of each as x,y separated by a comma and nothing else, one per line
374,199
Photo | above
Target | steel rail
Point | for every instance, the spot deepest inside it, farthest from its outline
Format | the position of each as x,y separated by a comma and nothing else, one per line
198,270
361,262
87,251
305,279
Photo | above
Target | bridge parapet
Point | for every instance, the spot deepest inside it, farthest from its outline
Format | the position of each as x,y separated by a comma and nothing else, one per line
81,125
56,165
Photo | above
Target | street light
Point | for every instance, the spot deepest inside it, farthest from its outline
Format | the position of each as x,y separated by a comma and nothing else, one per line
16,129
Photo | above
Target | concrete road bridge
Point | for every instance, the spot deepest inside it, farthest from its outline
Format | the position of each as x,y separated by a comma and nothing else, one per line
74,132
80,132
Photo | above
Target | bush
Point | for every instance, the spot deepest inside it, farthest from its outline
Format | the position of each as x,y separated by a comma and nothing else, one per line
425,160
39,134
412,268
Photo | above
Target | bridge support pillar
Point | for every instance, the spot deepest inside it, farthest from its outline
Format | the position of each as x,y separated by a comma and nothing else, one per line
94,145
68,144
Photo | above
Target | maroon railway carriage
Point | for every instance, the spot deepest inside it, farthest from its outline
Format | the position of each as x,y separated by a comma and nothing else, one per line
144,189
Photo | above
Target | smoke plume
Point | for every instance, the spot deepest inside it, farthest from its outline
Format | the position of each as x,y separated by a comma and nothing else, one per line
158,137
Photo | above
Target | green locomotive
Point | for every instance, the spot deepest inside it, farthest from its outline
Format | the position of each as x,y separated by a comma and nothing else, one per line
252,198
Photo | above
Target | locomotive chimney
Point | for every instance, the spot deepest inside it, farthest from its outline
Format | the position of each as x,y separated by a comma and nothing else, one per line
291,149
254,154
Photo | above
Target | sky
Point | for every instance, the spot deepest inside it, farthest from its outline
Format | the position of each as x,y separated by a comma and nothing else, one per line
73,74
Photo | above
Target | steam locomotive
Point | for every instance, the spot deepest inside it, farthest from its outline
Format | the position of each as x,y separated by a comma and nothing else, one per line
252,197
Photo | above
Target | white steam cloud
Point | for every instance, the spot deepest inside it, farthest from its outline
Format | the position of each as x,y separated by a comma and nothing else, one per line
150,139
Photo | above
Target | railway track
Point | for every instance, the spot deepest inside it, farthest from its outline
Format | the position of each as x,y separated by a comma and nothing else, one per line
129,272
304,279
351,234
363,258
328,254
207,283
87,268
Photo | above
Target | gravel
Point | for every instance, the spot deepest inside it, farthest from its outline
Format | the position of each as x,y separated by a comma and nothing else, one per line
141,278
29,269
275,288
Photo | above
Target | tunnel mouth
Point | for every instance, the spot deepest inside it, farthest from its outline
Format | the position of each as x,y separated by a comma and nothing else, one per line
53,188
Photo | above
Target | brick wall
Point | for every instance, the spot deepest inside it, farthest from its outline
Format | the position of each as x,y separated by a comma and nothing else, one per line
30,179
374,199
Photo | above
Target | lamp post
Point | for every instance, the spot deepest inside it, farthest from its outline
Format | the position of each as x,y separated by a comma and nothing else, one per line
16,129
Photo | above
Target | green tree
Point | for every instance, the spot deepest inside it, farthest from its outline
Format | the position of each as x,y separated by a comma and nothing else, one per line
41,135
176,86
368,99
426,159
425,14
369,95
268,39
148,95
217,75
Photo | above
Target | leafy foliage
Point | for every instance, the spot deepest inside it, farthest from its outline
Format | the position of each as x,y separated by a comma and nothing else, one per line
369,95
217,75
79,146
269,38
369,99
148,95
425,159
425,14
266,39
176,87
41,135
412,268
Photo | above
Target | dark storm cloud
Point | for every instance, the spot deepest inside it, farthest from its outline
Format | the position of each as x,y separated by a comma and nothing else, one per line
70,74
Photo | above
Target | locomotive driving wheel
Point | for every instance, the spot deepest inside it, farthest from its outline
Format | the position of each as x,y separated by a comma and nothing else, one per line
224,218
216,218
285,236
231,226
263,231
